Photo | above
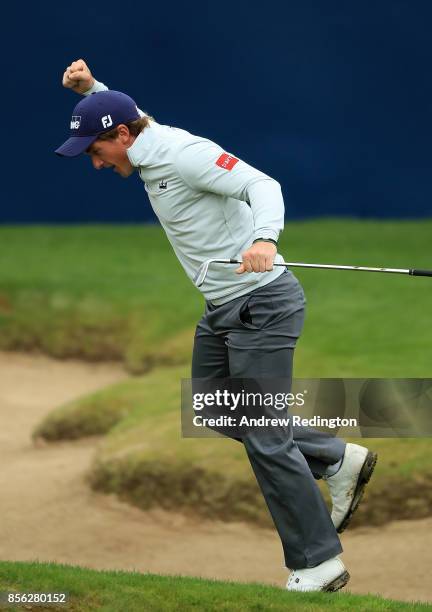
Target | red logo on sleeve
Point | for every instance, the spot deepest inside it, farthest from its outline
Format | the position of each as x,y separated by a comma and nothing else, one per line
227,162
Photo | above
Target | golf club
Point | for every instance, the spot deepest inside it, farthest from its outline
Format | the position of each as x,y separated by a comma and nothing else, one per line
203,269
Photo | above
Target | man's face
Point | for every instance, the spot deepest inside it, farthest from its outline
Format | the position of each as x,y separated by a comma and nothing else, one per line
112,154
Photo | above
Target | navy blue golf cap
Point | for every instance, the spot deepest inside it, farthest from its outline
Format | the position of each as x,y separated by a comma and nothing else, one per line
95,114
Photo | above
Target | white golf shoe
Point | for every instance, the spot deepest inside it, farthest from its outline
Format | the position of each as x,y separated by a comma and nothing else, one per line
328,576
347,485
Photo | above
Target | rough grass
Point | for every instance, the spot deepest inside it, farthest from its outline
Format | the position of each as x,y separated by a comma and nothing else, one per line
145,461
118,292
96,293
113,591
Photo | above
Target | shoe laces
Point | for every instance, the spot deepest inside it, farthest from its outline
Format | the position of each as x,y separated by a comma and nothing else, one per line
293,578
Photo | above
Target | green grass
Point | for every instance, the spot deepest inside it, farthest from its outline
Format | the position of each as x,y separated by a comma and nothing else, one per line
98,293
118,292
113,591
145,461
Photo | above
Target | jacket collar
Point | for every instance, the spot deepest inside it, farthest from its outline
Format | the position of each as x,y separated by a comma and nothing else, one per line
139,153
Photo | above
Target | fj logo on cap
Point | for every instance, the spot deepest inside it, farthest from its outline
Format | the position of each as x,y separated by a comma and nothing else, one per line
107,121
75,122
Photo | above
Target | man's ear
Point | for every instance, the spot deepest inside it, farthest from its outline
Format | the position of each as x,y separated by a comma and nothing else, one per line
124,134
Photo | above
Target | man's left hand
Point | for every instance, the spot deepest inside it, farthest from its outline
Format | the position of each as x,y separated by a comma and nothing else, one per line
258,258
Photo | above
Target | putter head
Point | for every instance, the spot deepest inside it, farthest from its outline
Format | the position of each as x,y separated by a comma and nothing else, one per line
201,274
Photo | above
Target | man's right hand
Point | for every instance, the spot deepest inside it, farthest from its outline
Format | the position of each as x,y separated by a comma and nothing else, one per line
78,77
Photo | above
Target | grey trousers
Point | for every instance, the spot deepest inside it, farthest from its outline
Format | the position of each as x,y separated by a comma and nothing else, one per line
254,336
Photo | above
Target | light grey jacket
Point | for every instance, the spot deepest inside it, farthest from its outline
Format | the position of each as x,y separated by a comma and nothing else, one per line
210,203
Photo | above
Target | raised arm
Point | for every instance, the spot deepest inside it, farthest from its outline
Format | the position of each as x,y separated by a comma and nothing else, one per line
79,78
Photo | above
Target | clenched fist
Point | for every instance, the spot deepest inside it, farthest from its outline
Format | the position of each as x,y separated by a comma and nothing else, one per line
78,77
258,258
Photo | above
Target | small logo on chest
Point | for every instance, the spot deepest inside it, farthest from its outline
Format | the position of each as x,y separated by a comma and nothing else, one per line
163,185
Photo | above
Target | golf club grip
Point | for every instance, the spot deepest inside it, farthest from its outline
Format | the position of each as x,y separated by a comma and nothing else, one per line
421,272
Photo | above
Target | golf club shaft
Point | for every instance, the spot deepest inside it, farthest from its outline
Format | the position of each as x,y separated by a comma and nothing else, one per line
202,272
297,264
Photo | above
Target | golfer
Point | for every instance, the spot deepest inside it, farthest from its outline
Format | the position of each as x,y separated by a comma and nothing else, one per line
211,204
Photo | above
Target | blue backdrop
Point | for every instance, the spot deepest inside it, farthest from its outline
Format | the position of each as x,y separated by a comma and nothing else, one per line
333,99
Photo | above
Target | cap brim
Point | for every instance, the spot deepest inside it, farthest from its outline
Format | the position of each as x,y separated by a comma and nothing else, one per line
75,145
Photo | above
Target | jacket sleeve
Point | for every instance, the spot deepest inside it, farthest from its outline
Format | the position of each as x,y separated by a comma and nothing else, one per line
97,86
204,166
